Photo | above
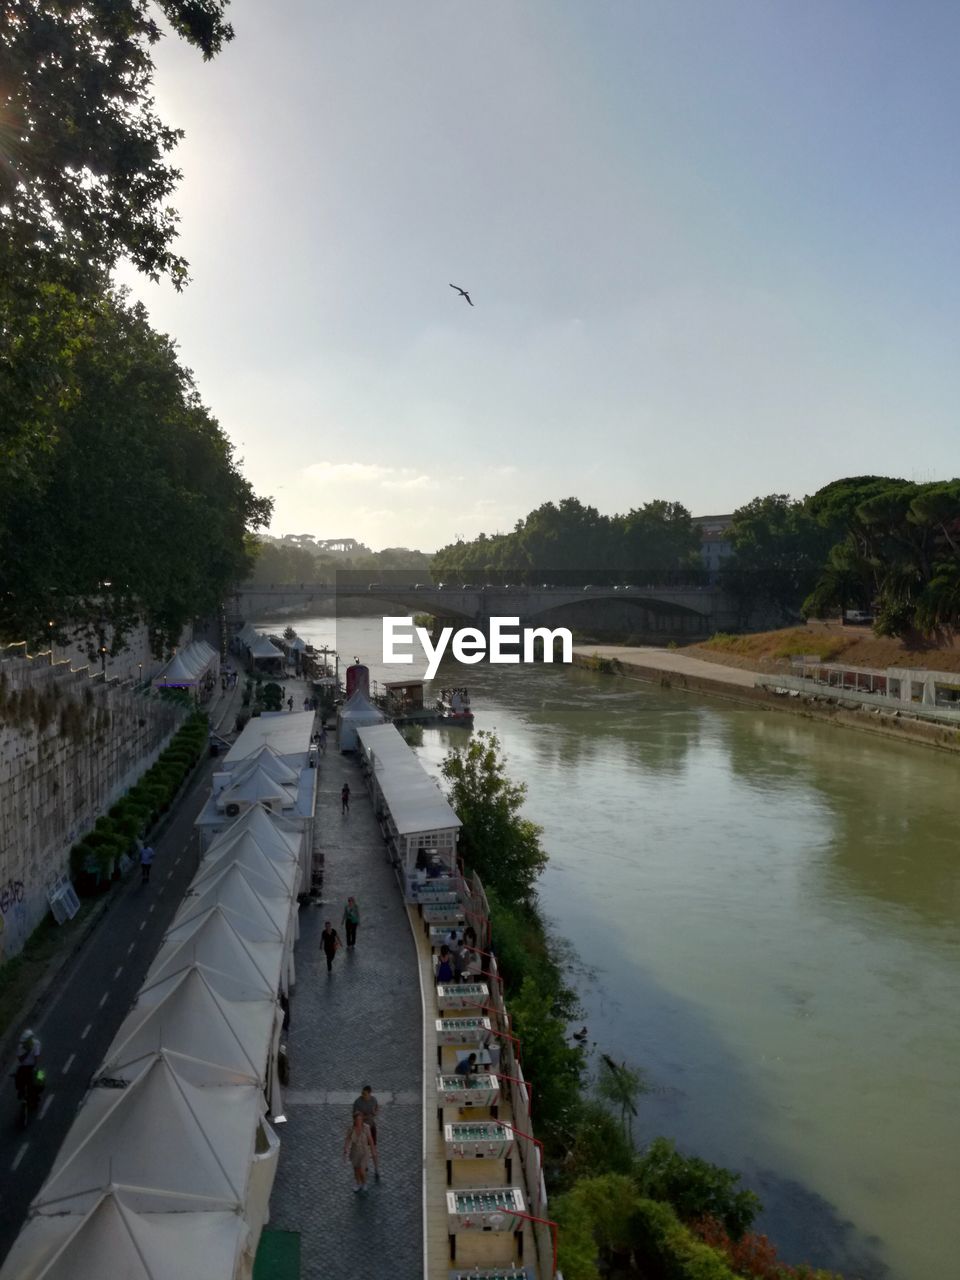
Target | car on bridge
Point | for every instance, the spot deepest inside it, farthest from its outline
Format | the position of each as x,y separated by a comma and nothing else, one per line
375,586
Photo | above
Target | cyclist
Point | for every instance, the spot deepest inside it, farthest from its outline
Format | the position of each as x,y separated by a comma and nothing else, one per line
28,1059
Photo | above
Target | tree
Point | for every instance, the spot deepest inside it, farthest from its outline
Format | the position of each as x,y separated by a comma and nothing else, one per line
778,552
134,507
501,846
552,1065
621,1086
897,539
85,177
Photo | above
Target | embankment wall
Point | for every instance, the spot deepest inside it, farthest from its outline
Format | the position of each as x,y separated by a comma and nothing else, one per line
71,743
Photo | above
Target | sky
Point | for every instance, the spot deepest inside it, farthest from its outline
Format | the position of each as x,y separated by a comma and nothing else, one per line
712,247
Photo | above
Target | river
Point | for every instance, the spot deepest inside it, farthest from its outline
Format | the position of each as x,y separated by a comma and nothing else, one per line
766,915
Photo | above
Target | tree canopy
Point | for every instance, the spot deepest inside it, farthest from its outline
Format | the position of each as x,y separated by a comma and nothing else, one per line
135,506
85,173
501,846
568,542
897,550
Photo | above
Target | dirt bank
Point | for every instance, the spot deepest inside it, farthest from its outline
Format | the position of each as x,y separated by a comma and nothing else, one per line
771,651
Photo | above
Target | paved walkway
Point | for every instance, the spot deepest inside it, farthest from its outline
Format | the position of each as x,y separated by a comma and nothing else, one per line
670,660
359,1025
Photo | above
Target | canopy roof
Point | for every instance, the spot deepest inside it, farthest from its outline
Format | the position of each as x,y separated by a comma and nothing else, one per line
258,918
187,665
358,710
112,1239
261,647
185,1015
255,785
239,968
267,760
415,801
270,830
182,1147
278,872
288,733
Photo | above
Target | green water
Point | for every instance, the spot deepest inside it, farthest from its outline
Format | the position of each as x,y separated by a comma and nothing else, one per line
768,914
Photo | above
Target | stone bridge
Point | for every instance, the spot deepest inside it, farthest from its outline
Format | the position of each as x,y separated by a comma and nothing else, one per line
681,610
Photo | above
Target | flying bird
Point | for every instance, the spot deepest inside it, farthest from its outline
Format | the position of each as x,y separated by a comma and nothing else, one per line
462,292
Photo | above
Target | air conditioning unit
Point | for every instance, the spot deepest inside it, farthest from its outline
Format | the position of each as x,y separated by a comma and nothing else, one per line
232,810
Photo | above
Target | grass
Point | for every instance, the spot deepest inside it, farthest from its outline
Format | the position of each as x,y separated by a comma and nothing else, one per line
790,643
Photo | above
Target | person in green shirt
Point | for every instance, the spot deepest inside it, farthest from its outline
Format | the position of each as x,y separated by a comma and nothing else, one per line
351,918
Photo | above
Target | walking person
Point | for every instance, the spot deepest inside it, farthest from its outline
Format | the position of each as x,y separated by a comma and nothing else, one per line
351,918
360,1148
345,799
368,1106
330,942
322,741
146,862
289,704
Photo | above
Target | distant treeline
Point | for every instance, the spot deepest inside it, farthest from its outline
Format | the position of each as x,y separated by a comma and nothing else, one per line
283,564
867,542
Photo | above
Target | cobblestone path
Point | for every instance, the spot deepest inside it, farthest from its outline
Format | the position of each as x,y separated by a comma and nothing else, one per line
359,1025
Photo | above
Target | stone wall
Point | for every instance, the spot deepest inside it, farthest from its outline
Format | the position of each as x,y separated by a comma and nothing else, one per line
135,661
71,742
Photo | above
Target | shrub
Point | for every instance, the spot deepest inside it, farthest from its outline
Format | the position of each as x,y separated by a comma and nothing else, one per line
553,1067
599,1145
668,1250
81,856
272,696
695,1188
753,1255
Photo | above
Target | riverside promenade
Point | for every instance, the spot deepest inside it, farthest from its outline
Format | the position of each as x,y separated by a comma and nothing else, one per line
360,1024
653,662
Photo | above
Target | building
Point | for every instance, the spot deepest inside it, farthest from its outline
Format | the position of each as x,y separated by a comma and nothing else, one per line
715,543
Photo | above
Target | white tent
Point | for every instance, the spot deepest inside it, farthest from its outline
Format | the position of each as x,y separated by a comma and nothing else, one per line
182,1147
176,674
185,1015
358,710
247,852
203,1032
239,968
112,1239
267,760
257,786
188,666
254,915
268,829
261,647
275,835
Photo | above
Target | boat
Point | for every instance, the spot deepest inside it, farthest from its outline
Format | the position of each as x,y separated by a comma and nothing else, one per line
454,705
402,702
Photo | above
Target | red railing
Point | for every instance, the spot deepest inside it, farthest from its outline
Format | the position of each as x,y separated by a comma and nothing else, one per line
547,1222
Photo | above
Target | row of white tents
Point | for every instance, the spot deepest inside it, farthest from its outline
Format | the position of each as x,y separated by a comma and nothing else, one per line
167,1169
188,667
258,647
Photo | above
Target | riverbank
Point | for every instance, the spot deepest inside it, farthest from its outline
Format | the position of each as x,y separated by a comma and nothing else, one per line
772,651
680,669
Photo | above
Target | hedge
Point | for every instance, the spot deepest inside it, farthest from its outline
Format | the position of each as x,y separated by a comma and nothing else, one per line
130,817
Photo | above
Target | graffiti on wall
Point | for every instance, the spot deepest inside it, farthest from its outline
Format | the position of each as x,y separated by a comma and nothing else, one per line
10,895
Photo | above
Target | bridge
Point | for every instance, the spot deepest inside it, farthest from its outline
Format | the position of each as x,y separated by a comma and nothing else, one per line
684,609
